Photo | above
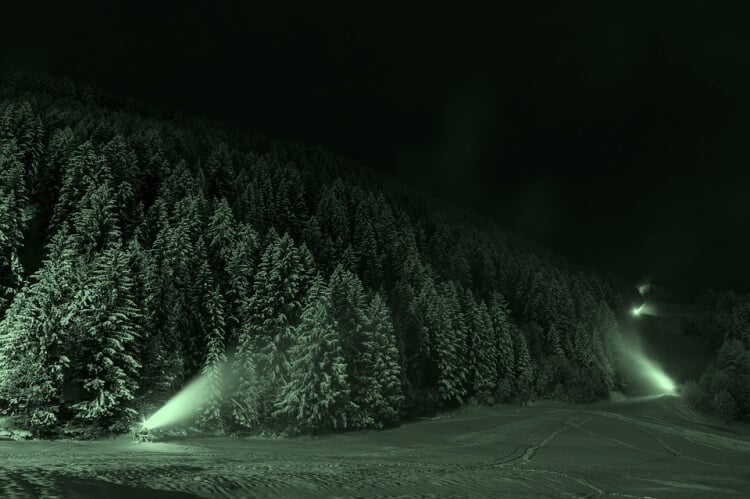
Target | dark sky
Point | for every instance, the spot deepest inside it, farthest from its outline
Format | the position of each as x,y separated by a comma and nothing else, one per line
613,134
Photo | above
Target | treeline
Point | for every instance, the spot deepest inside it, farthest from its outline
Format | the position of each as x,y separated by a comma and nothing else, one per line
137,251
722,320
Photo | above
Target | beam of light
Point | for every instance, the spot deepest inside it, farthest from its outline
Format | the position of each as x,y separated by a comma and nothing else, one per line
655,375
645,372
183,406
645,308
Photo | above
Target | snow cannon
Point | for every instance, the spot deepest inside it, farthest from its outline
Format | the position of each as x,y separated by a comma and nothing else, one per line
141,434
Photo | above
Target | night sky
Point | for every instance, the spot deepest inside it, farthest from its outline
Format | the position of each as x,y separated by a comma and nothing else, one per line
614,135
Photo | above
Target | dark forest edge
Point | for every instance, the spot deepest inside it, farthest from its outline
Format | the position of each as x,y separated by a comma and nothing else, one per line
138,250
722,321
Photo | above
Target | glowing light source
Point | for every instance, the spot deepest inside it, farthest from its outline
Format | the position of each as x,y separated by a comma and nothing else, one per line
637,310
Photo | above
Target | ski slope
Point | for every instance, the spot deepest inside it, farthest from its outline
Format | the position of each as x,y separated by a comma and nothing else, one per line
646,447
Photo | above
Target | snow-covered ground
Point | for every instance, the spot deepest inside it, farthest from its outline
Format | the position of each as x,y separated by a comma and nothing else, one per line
649,447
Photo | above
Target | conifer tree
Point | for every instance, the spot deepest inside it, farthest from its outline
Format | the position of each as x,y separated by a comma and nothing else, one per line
583,346
452,387
316,396
15,214
213,367
313,236
105,323
220,235
85,170
240,268
124,166
484,374
157,375
36,337
95,223
348,306
273,312
198,320
524,368
387,407
366,248
332,215
501,322
553,345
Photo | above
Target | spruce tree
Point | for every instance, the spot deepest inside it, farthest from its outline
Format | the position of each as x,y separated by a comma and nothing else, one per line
106,326
213,367
85,170
454,375
386,409
524,368
273,312
36,336
95,223
484,375
220,236
369,256
240,269
15,214
316,396
348,304
502,324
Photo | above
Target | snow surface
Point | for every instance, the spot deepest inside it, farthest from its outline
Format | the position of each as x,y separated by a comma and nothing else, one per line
647,447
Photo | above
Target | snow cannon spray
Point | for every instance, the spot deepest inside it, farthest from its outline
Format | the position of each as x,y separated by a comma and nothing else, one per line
645,371
186,403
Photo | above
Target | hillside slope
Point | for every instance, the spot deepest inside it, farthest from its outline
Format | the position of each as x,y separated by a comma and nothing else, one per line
139,250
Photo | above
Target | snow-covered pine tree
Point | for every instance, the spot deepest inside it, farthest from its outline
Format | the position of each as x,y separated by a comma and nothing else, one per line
553,345
124,166
485,374
369,256
95,221
501,322
20,123
239,270
583,346
105,322
452,386
387,365
35,338
348,303
215,361
407,316
220,236
198,322
220,170
276,304
333,217
316,396
15,214
273,312
524,368
312,235
157,375
172,252
86,169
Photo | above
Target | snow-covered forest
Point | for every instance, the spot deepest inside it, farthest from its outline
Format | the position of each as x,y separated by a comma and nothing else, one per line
139,248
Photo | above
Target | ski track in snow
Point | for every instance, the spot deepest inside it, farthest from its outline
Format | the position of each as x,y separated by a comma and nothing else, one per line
518,453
